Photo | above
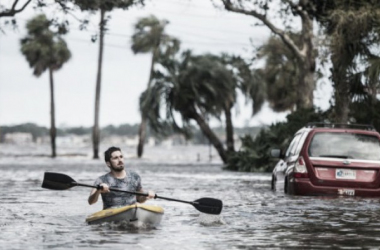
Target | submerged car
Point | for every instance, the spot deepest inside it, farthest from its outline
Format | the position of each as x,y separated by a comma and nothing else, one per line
330,159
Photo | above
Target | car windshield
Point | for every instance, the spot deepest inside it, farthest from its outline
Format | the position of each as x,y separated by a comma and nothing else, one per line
345,145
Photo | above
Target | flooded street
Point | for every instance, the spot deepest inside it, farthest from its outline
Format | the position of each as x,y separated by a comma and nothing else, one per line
252,217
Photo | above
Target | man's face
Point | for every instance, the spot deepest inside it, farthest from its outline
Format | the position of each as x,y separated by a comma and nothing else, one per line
116,162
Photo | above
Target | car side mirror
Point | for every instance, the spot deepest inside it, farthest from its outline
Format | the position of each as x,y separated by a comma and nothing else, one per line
276,153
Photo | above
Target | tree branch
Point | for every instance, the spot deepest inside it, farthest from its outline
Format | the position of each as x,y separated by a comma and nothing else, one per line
300,8
13,11
294,7
281,33
63,6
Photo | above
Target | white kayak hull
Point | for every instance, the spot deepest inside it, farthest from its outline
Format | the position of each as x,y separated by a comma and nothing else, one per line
136,214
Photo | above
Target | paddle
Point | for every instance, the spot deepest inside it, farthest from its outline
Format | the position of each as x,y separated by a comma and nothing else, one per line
57,181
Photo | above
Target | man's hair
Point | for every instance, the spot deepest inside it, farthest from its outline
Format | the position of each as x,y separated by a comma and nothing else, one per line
108,153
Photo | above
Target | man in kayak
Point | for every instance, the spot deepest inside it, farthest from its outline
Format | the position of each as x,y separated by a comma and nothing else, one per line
117,178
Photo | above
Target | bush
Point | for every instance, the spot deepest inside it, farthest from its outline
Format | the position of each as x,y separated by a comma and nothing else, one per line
254,154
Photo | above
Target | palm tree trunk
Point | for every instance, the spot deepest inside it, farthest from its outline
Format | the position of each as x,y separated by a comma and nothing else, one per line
229,130
373,103
142,135
306,86
96,131
143,124
342,101
207,131
306,65
53,130
341,90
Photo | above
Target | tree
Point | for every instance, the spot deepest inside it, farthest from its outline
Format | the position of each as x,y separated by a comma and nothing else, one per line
150,37
353,31
103,6
45,50
253,155
246,80
196,88
303,49
280,74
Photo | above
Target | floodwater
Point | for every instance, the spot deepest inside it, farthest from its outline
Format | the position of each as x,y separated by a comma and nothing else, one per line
253,217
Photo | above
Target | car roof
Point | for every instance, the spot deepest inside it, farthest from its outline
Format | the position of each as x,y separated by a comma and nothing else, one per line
334,127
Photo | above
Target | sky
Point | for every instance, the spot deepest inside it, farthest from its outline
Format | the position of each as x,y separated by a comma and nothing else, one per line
201,27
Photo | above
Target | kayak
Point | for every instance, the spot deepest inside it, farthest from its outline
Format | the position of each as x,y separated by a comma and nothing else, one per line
136,215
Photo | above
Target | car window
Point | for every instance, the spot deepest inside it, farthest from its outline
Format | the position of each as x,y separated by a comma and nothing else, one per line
293,145
300,143
345,145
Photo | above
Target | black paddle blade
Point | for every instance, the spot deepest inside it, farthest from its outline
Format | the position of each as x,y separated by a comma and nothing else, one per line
57,181
208,205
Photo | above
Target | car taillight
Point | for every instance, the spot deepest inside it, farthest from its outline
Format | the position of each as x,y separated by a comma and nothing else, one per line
300,170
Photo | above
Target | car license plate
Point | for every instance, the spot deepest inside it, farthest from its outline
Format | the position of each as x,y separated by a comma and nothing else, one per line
347,174
348,192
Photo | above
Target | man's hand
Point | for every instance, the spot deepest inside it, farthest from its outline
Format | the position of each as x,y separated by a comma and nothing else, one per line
95,192
104,188
142,199
151,194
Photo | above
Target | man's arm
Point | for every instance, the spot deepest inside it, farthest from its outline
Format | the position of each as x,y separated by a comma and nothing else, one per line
94,195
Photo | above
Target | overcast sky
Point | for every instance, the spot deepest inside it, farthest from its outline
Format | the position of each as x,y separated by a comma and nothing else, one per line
199,25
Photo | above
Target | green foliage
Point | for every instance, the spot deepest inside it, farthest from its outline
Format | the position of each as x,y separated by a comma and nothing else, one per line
248,81
40,131
149,36
122,130
208,85
353,34
206,82
197,87
366,112
35,130
107,5
280,74
75,130
42,47
254,154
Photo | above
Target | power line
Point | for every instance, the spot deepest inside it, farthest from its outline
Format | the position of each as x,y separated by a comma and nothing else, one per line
117,34
127,46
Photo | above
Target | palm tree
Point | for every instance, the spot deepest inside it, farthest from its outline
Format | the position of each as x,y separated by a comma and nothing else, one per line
150,37
280,74
249,82
104,6
45,50
206,88
189,90
352,27
194,89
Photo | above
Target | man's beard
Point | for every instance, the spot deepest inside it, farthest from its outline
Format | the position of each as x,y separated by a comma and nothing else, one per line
117,168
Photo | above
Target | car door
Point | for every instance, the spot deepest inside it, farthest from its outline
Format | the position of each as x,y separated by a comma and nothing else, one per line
289,158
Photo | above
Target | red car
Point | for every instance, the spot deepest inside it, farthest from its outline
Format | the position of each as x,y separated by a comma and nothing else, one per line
330,159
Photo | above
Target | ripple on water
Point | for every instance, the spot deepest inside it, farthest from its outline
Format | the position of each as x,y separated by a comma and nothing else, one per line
253,216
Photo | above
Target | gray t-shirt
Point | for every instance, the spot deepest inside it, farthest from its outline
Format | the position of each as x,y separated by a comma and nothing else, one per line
131,182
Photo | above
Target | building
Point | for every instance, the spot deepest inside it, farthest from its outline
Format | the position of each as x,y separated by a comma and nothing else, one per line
18,138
